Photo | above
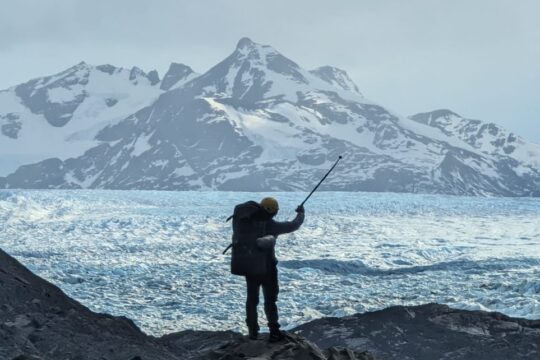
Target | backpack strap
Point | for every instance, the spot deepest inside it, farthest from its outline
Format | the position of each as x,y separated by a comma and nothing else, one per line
227,249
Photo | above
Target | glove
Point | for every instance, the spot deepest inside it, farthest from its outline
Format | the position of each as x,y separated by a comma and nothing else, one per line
300,209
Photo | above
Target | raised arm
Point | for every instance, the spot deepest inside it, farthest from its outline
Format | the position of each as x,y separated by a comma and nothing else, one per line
283,227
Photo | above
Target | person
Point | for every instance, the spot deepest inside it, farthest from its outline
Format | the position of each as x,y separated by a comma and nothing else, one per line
263,218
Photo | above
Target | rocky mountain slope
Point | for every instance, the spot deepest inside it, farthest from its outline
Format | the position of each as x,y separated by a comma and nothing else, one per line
258,121
38,321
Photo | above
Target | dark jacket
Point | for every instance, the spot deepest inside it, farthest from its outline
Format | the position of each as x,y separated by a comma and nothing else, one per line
250,222
277,228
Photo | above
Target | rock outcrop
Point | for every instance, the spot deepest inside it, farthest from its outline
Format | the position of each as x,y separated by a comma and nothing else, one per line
38,321
430,331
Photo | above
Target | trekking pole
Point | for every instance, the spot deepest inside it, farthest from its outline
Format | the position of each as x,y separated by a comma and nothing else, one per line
306,199
320,182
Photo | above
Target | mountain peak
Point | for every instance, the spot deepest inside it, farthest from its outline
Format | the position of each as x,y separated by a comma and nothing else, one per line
248,49
253,72
335,76
428,117
176,75
80,66
245,42
443,113
108,68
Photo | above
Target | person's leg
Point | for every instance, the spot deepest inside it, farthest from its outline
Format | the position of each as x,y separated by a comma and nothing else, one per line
271,291
253,284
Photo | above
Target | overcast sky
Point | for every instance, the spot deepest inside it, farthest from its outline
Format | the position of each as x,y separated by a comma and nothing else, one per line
479,58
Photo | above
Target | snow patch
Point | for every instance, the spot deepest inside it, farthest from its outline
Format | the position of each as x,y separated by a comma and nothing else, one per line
62,94
141,145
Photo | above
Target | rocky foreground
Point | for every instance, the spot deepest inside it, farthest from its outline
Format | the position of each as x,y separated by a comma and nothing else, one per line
38,321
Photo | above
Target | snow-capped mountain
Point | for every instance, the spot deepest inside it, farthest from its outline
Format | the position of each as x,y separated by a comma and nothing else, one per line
176,76
486,137
259,121
59,115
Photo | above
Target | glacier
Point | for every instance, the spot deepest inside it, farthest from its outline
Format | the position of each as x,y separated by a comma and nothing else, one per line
155,256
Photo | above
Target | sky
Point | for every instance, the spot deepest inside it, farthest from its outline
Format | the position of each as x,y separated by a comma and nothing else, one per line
480,59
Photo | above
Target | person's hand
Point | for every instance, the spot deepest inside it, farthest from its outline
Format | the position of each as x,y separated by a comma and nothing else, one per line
300,209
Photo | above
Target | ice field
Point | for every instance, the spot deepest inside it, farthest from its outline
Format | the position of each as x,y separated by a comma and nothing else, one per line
156,256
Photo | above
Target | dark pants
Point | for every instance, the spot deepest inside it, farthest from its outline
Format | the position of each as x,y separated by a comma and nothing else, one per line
270,286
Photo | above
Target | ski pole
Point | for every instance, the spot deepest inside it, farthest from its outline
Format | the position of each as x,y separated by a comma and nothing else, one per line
320,182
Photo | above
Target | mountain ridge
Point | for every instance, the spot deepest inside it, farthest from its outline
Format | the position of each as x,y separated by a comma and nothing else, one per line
258,121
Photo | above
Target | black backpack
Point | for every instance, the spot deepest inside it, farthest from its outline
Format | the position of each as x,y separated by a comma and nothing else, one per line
247,259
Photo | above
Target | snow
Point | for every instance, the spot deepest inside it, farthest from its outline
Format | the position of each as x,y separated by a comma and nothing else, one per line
156,256
185,80
277,139
347,132
141,145
525,152
283,85
62,95
284,141
38,140
436,134
185,170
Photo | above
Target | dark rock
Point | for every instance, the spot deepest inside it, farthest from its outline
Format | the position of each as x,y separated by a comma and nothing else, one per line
69,330
153,76
27,357
176,73
292,347
429,331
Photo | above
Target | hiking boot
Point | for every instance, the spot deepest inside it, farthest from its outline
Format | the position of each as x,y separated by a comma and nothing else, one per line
276,336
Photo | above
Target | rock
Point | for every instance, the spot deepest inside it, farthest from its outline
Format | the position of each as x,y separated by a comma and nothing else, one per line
38,321
292,347
62,328
338,353
430,331
27,357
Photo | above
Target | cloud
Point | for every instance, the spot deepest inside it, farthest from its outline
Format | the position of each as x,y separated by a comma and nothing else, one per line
478,57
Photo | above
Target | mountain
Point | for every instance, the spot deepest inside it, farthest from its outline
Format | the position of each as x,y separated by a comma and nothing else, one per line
488,138
176,76
60,115
258,121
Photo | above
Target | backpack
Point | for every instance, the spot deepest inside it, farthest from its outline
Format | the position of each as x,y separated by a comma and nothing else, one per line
247,258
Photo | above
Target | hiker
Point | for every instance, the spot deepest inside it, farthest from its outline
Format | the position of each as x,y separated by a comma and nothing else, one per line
253,256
